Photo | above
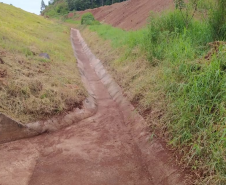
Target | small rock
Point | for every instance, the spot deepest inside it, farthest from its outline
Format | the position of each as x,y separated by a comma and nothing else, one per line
1,61
44,55
3,73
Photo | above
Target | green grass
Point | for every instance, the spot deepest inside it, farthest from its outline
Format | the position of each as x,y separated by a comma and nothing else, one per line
194,88
71,21
118,36
22,32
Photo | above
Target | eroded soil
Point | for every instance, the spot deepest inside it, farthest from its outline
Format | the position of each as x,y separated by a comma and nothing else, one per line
113,147
129,15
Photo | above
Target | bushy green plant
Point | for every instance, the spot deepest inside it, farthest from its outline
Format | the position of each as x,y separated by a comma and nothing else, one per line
56,10
62,8
87,19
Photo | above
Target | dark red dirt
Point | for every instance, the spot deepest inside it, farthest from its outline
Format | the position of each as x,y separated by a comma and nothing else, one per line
113,147
131,14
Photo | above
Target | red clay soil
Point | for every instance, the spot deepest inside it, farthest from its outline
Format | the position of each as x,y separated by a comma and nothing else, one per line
131,14
112,147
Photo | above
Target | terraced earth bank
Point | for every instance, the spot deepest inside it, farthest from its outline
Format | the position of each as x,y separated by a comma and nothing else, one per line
131,14
112,147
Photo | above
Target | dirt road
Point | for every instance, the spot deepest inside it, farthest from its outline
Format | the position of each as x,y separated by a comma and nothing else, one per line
113,147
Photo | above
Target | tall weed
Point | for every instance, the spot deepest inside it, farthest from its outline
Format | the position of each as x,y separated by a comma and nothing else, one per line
168,35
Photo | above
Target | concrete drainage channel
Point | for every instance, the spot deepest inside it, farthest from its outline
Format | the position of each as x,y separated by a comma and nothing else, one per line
111,147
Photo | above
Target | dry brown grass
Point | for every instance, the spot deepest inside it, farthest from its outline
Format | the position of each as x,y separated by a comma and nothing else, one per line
31,87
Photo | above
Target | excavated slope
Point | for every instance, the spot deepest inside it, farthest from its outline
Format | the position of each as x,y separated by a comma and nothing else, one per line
131,14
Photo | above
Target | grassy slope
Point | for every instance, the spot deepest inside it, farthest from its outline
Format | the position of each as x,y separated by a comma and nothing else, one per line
31,87
163,71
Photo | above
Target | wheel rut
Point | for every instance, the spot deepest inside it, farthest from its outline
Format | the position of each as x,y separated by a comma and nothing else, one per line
111,147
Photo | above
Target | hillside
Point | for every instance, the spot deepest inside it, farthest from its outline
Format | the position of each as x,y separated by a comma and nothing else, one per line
132,14
32,87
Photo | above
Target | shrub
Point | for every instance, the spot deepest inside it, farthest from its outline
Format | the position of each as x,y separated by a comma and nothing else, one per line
62,8
56,10
87,19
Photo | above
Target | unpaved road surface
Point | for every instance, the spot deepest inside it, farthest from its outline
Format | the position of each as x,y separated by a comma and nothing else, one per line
110,148
131,14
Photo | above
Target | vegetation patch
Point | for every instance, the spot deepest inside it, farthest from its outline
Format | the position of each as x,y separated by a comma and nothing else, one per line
56,10
79,5
32,87
88,19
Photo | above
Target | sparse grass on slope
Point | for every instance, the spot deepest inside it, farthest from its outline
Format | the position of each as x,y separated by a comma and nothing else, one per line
31,87
176,84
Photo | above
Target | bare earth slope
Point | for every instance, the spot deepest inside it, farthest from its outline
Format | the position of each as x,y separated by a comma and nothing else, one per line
132,14
110,148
